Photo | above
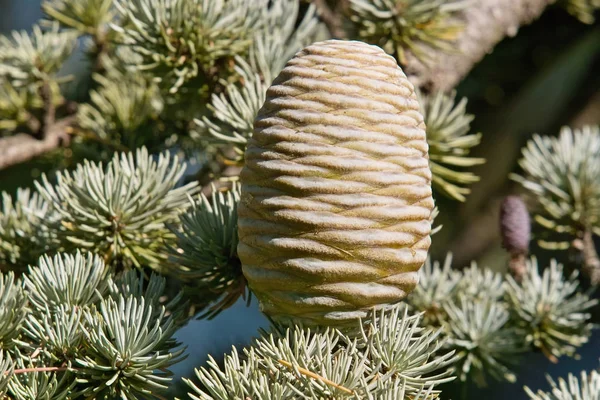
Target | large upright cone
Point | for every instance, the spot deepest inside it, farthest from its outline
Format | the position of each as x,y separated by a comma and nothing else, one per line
336,191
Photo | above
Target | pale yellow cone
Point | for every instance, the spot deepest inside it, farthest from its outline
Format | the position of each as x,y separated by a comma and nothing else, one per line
334,217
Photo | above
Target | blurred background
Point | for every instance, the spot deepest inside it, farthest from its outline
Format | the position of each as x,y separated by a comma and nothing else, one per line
545,77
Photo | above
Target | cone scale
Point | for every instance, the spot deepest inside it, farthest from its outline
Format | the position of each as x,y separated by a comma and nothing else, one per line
334,216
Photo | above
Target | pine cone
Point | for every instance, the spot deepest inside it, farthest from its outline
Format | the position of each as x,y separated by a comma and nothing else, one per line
334,217
515,225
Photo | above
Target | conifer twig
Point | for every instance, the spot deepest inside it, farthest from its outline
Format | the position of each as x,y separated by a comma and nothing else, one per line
23,147
49,116
40,369
313,375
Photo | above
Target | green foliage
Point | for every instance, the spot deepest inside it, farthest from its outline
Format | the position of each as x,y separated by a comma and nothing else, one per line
474,320
82,337
480,283
233,112
87,325
398,391
206,252
437,284
561,174
184,39
396,345
448,126
434,214
232,115
483,339
40,385
28,62
23,231
13,310
64,279
120,337
6,372
59,329
550,310
14,103
489,320
583,10
390,358
123,111
401,26
85,16
120,211
152,290
588,388
32,58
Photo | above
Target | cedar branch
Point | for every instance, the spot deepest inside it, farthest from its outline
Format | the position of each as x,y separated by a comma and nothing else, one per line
332,18
23,147
486,23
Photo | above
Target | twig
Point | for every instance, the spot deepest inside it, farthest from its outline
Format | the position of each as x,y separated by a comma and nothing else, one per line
49,110
553,359
23,147
313,375
38,369
517,266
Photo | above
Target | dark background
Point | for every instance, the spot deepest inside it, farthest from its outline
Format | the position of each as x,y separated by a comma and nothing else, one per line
546,77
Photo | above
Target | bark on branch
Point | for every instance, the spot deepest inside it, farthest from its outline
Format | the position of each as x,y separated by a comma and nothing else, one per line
332,18
23,147
486,22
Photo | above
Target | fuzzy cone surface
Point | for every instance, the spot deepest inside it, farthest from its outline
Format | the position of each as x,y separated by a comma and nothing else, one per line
334,217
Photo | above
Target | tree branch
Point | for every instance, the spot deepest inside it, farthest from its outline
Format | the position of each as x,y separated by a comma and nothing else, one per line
333,19
23,147
49,117
486,22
